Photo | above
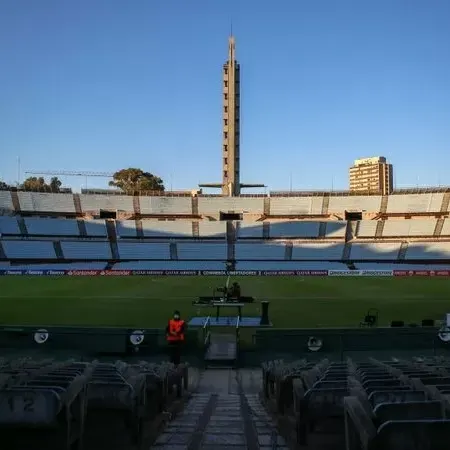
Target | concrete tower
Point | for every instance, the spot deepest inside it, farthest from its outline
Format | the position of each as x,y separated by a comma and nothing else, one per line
231,127
231,178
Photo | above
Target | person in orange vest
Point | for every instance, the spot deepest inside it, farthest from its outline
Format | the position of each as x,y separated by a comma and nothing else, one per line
175,336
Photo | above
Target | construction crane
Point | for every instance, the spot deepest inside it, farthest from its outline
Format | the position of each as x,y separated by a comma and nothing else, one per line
70,173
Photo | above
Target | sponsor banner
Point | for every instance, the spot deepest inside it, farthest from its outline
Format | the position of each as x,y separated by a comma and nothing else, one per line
117,273
83,273
421,273
360,273
38,273
163,272
344,273
297,273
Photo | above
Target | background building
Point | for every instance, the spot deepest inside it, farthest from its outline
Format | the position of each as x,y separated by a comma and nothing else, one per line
371,175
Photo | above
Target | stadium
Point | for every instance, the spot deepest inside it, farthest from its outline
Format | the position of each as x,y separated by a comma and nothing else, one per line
308,240
292,319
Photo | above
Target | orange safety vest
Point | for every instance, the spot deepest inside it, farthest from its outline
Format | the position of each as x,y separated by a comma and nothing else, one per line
175,326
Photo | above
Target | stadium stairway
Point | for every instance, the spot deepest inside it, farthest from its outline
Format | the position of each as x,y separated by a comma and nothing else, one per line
224,414
222,351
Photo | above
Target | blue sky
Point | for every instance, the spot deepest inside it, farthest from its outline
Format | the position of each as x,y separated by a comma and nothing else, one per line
101,85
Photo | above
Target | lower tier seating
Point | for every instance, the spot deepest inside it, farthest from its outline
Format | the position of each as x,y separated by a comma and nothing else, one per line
381,405
59,405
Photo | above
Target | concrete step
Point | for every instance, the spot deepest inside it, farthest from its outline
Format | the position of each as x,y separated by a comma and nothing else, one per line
222,416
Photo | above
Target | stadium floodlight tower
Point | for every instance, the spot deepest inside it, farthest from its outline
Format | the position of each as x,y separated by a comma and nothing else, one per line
231,185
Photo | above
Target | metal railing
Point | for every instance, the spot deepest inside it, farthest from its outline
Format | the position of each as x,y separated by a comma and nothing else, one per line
238,333
207,332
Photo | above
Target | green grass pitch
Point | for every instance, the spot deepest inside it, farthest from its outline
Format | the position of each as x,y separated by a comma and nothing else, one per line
148,302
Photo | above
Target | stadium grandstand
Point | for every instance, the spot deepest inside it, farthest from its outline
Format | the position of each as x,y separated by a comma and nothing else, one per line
406,230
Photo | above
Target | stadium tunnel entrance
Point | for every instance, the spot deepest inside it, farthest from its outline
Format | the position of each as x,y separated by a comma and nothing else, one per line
230,216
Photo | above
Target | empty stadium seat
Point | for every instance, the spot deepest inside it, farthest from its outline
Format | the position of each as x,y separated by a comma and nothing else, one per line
428,250
214,205
170,265
96,227
325,251
445,229
86,250
290,265
213,229
366,228
280,206
249,230
51,227
202,251
260,251
410,203
419,227
6,203
369,203
143,250
375,250
335,229
29,249
106,202
294,229
9,225
166,229
43,202
126,228
166,205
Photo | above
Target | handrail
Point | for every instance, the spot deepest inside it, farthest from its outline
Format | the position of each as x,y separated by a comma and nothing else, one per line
238,329
206,331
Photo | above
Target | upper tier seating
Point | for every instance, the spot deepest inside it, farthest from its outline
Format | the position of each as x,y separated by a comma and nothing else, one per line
322,251
86,250
29,249
51,227
366,228
106,202
166,205
144,250
159,229
411,203
411,228
375,250
41,202
445,229
428,250
280,206
6,203
212,229
202,251
214,205
369,203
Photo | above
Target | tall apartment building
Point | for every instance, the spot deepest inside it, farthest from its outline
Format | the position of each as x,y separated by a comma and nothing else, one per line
371,175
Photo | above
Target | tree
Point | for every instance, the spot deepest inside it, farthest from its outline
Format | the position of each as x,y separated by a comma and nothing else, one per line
39,184
55,184
4,186
133,180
